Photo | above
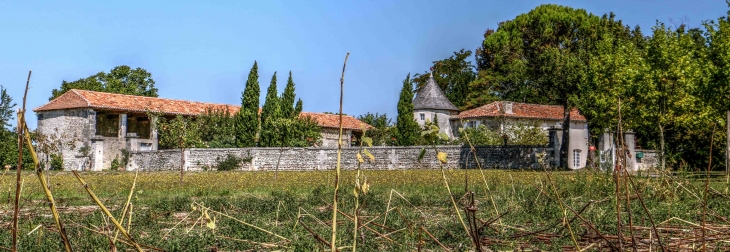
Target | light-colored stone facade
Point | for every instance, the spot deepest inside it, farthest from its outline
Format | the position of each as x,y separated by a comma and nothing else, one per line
71,131
330,136
386,158
442,116
80,143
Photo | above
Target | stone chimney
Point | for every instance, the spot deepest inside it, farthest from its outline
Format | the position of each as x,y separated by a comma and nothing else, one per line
508,108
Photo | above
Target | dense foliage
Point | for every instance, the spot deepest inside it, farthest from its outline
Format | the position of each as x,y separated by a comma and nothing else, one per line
8,136
515,133
453,76
382,132
407,131
270,113
121,80
247,119
673,85
217,129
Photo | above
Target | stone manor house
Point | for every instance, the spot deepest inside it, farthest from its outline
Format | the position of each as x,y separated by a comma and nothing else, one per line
95,127
431,103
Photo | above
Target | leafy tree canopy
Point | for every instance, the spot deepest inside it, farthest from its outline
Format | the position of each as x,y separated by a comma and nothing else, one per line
453,76
120,80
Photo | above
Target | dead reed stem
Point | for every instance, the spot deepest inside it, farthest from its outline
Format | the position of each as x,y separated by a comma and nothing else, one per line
47,190
707,187
617,180
202,208
623,171
333,245
127,205
19,168
481,171
106,211
434,239
562,207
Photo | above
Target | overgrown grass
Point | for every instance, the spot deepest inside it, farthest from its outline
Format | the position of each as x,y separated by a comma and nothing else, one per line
164,214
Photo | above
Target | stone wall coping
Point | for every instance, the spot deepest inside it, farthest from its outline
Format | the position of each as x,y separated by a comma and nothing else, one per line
647,151
349,148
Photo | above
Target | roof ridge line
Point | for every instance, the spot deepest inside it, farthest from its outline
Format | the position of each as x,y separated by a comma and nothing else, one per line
88,103
171,99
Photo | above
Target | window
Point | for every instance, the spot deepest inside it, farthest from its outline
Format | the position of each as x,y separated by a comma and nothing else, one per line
576,158
423,116
107,124
471,124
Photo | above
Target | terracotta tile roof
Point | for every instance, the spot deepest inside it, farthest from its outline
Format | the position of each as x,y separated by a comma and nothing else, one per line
76,98
333,121
521,110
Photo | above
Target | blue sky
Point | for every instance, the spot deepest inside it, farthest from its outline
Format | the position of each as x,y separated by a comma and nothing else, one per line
203,51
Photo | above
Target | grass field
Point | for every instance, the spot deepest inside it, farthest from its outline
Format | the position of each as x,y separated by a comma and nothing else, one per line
240,211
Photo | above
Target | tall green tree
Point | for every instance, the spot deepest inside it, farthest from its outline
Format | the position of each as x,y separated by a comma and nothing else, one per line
287,99
453,76
247,119
8,137
298,108
6,108
382,132
541,57
677,61
717,90
121,80
270,113
407,130
617,71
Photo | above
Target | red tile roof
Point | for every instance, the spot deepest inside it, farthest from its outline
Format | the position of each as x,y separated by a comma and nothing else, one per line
522,110
333,121
76,98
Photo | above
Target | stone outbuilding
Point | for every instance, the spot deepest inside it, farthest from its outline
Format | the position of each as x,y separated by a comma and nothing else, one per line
91,129
501,115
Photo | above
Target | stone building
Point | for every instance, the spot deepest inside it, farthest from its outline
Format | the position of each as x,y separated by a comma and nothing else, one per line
431,103
501,115
94,128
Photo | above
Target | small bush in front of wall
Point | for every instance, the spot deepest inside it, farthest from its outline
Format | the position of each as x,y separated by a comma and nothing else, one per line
115,164
230,163
125,157
56,162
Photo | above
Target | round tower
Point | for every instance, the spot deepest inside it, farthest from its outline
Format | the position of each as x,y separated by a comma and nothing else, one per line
431,104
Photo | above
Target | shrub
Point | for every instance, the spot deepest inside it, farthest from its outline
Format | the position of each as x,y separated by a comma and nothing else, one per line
56,162
115,164
230,163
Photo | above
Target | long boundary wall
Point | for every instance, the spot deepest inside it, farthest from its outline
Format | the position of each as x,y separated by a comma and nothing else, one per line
386,157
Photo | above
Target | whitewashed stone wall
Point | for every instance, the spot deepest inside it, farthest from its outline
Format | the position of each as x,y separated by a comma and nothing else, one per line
516,157
73,129
649,161
330,137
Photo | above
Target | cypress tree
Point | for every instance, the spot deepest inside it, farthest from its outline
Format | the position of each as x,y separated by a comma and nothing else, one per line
297,109
287,99
247,119
407,130
269,114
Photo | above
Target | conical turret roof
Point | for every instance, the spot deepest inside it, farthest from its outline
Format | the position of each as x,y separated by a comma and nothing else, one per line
430,96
